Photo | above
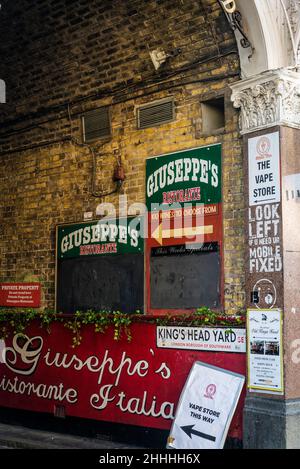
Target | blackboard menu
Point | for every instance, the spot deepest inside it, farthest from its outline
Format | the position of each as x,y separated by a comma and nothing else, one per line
100,266
185,277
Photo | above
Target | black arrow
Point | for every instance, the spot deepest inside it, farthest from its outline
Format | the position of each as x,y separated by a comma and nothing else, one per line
188,429
264,200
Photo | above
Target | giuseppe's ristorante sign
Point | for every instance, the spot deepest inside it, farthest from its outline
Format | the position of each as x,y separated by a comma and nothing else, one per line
107,236
183,198
100,265
182,190
185,177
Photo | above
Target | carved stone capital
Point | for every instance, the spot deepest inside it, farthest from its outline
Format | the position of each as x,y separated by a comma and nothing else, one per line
272,98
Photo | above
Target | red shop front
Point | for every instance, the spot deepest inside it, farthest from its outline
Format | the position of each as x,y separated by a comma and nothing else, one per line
136,383
106,265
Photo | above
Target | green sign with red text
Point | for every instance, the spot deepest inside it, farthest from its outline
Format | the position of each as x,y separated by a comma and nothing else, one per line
189,176
94,238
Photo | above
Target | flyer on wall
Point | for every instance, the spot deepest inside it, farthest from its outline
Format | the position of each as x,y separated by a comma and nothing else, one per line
265,357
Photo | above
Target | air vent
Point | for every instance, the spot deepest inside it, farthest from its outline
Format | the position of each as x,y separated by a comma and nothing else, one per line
96,124
156,113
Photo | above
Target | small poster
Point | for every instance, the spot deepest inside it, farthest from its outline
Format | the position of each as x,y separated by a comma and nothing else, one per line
206,407
265,357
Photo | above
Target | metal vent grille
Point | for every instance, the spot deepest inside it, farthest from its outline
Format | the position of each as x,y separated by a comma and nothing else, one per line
96,124
159,112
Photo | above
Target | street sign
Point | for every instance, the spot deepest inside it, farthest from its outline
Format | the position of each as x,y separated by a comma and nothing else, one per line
202,338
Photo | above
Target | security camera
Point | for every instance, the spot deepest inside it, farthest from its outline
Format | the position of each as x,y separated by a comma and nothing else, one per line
159,56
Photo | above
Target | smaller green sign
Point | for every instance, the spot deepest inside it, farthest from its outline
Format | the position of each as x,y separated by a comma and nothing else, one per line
189,176
100,237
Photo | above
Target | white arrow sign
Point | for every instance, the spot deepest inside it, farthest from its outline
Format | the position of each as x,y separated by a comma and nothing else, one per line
159,233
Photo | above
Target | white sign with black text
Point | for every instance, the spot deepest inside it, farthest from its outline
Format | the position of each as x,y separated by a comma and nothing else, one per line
264,169
206,407
265,239
202,338
265,355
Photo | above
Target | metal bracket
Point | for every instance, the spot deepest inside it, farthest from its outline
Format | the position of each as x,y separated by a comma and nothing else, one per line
235,21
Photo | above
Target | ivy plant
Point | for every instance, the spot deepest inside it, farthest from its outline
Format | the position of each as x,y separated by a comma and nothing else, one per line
16,321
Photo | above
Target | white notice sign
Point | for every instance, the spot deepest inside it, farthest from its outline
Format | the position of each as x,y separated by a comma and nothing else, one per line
206,407
264,169
265,359
202,338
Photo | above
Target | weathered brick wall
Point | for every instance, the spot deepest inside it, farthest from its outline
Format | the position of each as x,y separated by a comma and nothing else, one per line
61,58
53,51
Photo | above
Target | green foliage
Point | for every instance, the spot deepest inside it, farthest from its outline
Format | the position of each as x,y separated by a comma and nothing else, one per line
204,317
16,321
121,322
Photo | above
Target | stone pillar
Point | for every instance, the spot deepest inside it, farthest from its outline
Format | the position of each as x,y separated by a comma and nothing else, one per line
270,115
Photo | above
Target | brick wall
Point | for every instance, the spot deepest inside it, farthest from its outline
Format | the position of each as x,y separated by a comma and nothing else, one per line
61,58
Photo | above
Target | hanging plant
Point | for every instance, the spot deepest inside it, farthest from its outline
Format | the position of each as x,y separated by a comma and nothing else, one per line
17,321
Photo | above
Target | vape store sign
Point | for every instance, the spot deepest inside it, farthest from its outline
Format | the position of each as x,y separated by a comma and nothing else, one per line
264,169
206,407
264,220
